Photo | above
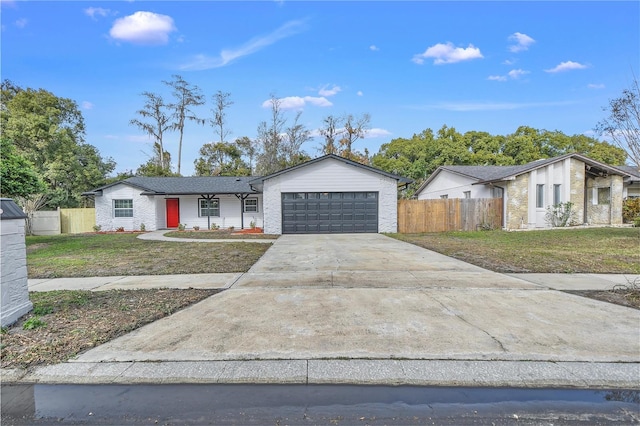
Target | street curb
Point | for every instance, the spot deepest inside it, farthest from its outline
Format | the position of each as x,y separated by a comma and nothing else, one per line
521,374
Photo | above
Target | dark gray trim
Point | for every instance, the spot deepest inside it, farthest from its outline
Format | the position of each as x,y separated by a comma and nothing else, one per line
10,210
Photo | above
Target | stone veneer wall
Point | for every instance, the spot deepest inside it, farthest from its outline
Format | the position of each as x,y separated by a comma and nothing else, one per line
576,184
517,203
13,264
605,214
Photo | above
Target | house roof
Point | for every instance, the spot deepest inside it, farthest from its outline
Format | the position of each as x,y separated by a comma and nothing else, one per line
185,185
400,179
632,171
10,210
490,174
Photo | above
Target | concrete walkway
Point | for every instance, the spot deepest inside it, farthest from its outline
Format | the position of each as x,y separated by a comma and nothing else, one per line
370,309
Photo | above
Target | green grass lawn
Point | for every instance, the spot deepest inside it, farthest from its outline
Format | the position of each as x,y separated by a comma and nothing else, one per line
83,255
595,250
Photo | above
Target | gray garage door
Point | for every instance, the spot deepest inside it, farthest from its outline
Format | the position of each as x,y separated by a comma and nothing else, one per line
329,212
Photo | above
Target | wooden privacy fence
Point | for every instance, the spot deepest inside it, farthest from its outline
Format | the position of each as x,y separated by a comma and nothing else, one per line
76,221
455,214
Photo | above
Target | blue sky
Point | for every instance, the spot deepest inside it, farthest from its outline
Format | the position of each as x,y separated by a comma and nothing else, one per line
486,66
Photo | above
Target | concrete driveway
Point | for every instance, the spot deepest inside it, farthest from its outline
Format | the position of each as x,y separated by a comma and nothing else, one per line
372,297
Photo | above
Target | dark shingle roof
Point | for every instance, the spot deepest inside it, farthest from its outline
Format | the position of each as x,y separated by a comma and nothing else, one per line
187,185
10,210
634,171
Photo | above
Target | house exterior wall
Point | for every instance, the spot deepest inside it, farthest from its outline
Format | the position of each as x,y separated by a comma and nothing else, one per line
453,185
576,183
13,269
144,209
229,212
330,175
602,213
517,203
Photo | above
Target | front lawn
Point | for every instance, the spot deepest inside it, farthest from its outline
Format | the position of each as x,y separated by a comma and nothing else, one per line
97,255
594,250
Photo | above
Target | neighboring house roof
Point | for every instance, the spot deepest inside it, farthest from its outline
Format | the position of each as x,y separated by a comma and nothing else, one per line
194,185
490,174
400,179
10,210
632,171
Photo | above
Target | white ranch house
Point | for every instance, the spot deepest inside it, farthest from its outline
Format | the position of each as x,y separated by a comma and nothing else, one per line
595,189
330,194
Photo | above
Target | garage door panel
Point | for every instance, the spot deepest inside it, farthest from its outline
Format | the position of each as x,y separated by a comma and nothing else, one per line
329,212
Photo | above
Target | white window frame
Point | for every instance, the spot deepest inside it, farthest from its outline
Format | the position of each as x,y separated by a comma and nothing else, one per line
557,194
540,196
467,194
122,209
208,206
444,197
245,208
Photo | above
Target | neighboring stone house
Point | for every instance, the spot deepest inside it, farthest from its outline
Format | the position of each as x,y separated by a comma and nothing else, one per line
595,189
330,194
632,182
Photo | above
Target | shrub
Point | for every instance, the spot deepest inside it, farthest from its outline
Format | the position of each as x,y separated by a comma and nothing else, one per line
252,224
142,227
120,229
636,222
97,228
560,215
630,209
182,226
196,228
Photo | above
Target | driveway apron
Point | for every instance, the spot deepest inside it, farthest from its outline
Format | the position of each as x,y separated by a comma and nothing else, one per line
368,296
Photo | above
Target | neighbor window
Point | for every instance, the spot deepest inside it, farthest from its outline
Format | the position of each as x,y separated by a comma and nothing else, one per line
557,199
467,194
209,207
444,197
604,195
251,205
540,196
122,208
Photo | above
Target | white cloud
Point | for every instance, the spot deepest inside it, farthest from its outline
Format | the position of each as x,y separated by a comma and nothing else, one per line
374,48
516,74
325,91
376,133
448,54
567,66
203,62
143,28
513,74
595,86
21,23
521,42
87,105
297,102
509,61
138,138
360,93
94,12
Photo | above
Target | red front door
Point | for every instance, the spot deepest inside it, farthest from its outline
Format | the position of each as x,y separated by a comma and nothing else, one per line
173,212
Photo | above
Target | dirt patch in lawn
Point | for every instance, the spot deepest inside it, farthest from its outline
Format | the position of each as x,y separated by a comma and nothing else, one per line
66,323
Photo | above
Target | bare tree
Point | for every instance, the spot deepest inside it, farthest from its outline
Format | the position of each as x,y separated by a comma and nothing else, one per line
296,135
270,137
354,128
623,123
186,96
221,102
330,132
31,204
158,121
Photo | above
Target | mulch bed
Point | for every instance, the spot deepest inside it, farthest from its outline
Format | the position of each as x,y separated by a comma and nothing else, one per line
67,323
